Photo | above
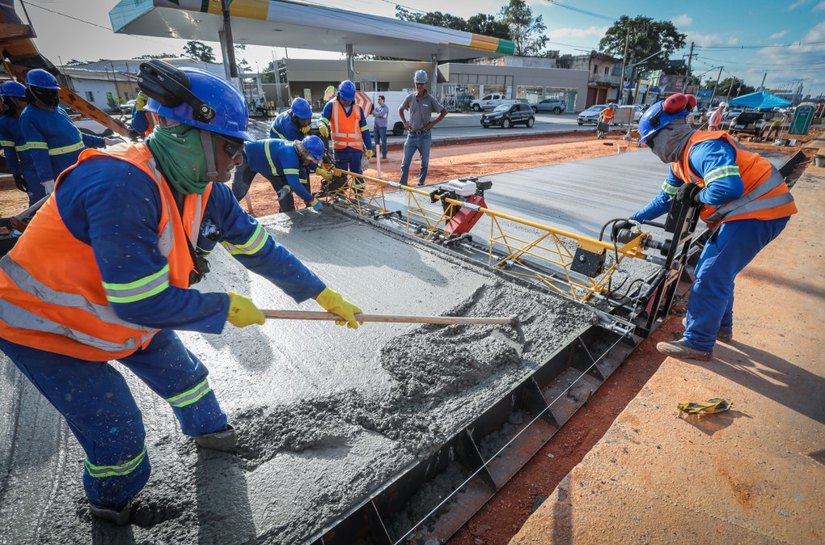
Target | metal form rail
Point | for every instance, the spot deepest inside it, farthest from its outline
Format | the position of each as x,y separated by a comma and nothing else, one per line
470,467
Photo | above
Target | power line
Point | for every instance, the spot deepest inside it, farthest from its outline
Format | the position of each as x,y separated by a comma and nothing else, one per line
579,10
795,44
787,65
66,15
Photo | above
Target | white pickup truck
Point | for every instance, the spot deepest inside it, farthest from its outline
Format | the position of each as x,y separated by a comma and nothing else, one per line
488,102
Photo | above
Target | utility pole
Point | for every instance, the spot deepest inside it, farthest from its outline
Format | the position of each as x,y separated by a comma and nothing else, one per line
620,94
762,85
730,88
715,85
690,58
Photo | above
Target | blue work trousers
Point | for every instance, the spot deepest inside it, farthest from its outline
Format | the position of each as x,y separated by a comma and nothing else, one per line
729,250
349,159
381,139
422,143
99,408
244,175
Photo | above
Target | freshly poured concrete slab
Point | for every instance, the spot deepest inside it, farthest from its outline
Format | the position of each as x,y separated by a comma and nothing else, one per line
325,414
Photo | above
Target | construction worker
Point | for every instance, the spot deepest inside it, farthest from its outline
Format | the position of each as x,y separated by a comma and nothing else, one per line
345,124
291,125
605,119
53,141
740,194
142,121
421,105
285,161
21,166
103,270
717,116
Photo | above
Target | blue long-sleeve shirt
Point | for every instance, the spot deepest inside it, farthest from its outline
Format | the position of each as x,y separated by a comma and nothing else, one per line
283,128
54,143
14,148
279,158
326,116
712,160
116,208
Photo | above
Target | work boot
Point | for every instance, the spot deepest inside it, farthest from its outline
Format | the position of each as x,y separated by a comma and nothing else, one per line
119,518
724,335
680,350
223,441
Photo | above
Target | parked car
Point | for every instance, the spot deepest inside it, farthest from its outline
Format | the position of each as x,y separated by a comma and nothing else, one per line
591,115
126,107
554,105
90,126
487,102
508,114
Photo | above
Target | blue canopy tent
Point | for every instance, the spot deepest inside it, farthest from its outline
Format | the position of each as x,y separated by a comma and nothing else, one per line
761,100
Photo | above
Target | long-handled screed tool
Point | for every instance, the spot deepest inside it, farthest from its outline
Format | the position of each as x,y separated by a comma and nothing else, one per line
512,321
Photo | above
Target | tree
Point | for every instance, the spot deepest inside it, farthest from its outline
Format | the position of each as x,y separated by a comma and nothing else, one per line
240,61
738,85
488,26
644,38
526,32
199,51
268,75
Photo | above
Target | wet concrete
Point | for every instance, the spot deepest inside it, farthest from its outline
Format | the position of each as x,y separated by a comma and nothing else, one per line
325,414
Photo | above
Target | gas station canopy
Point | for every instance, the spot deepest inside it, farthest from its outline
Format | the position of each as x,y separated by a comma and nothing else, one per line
281,23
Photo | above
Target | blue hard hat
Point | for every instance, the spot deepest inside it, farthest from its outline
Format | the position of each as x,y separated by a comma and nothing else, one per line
12,89
41,79
315,146
301,108
656,119
231,115
347,90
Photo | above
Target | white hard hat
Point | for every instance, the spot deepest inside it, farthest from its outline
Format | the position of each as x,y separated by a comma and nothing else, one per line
420,76
723,104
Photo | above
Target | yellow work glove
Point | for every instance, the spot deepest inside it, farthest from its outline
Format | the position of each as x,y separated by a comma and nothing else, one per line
332,302
323,173
305,130
243,312
323,130
140,101
369,154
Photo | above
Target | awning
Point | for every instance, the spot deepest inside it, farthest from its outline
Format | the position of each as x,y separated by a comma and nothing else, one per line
761,100
281,23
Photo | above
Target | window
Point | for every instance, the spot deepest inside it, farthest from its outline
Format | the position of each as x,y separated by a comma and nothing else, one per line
606,70
595,69
90,96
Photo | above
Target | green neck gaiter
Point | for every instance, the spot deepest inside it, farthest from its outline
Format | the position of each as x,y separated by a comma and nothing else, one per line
179,152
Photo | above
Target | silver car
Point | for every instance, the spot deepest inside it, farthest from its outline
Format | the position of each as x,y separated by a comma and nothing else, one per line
591,115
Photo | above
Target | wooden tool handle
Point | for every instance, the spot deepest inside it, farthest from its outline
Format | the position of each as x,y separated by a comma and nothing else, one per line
395,318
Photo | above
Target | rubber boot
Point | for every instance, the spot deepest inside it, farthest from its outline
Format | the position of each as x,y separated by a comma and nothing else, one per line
119,518
223,441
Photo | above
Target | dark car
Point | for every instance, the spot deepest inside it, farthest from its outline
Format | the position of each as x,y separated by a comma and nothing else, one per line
554,105
509,114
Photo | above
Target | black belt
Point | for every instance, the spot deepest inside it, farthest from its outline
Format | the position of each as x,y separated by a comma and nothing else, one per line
418,132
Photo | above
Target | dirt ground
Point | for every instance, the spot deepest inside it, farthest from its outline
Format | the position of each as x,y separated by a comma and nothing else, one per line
505,514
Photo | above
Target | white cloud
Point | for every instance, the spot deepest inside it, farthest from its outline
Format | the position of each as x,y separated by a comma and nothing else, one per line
589,32
777,35
711,39
819,7
797,4
682,20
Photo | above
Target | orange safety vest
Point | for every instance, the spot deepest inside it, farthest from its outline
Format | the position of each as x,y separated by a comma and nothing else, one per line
346,129
766,195
716,118
52,296
607,115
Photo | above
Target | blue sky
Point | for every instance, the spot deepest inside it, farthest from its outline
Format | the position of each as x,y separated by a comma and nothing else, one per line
728,34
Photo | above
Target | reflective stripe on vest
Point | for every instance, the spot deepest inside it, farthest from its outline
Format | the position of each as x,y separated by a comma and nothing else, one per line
251,246
6,143
67,149
346,129
748,203
115,471
190,396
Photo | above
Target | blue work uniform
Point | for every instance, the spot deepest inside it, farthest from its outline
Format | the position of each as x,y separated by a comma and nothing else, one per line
53,141
17,157
731,247
116,208
140,122
278,158
349,158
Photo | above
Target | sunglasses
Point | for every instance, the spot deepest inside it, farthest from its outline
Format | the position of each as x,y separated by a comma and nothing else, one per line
233,148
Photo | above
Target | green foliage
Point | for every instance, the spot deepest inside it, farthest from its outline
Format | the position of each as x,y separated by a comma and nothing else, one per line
481,23
488,25
268,75
736,86
199,51
645,37
525,31
161,56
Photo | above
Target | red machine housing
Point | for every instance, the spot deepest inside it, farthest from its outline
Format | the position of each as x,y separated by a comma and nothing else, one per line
466,217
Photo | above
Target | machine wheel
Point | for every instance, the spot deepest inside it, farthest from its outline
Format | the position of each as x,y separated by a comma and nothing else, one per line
476,108
505,124
398,129
530,121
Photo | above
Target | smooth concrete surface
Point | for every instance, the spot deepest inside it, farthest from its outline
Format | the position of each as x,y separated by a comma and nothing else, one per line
325,414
